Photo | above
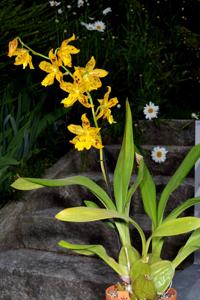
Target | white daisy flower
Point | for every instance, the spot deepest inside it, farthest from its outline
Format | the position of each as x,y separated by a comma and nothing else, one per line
54,3
106,11
80,3
151,111
88,26
195,116
158,154
60,11
99,26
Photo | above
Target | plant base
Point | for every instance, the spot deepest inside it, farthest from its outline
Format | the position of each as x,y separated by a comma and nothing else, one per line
112,293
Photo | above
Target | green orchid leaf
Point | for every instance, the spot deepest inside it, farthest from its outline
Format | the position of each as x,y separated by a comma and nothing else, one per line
88,214
124,166
135,185
89,203
177,226
25,185
148,193
35,183
93,204
185,167
157,245
192,245
128,255
182,207
98,250
162,273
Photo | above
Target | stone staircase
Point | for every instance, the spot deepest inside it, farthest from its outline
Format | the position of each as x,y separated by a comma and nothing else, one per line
34,267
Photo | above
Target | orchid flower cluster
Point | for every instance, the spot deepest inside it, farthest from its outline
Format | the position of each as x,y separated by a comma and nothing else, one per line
84,80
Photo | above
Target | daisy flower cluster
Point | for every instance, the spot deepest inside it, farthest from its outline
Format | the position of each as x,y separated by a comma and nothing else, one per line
54,3
97,25
158,154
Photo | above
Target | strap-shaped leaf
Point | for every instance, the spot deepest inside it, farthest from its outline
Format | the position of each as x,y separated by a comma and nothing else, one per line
89,203
135,185
8,161
185,167
35,183
25,184
98,250
124,166
148,193
182,207
177,226
88,214
192,245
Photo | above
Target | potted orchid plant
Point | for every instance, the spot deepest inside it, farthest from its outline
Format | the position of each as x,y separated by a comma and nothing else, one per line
142,274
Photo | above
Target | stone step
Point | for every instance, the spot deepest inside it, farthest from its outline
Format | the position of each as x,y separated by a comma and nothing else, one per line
74,195
182,193
175,156
166,132
40,230
187,283
39,275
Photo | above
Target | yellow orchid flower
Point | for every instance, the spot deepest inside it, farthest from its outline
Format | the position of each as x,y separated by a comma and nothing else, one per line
22,55
23,58
86,136
12,47
89,76
105,106
76,92
51,68
65,51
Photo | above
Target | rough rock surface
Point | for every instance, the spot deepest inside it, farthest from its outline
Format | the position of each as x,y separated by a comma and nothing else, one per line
39,275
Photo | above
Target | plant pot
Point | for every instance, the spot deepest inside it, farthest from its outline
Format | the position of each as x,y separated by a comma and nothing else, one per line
171,294
113,294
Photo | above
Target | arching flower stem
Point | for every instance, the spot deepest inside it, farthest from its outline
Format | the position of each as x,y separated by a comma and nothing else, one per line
100,150
30,49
